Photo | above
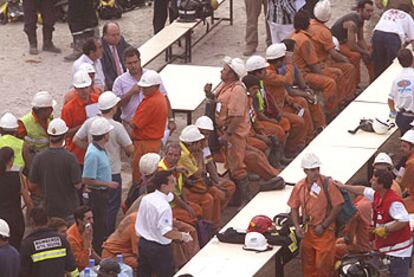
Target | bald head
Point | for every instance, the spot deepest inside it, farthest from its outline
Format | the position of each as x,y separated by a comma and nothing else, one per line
111,33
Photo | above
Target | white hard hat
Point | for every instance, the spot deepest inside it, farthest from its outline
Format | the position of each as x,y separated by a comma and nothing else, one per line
275,51
107,100
150,78
204,122
383,158
81,79
255,241
100,126
381,125
148,163
237,65
310,161
57,127
336,42
256,62
4,229
322,10
408,136
191,134
8,121
43,99
87,67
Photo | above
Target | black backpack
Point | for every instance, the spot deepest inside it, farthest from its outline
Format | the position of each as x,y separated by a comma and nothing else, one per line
190,10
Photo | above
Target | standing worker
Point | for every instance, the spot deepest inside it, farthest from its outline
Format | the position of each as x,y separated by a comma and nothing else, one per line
407,178
155,228
391,221
253,11
149,121
318,232
31,8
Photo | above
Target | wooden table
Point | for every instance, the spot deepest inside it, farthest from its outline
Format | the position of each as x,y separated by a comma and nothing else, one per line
185,86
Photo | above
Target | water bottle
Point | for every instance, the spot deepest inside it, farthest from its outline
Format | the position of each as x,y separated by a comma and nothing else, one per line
91,263
126,270
87,272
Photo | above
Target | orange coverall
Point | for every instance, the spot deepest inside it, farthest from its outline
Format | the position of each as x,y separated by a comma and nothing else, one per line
407,182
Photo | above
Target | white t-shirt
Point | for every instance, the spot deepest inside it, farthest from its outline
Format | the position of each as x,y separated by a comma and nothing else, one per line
402,90
399,213
397,22
154,218
118,139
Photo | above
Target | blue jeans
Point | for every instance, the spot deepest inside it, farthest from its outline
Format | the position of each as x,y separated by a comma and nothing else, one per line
385,47
114,203
399,266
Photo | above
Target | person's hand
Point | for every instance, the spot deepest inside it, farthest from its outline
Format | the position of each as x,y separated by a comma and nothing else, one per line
180,169
380,231
295,106
208,90
393,114
113,185
87,235
319,230
299,232
136,89
338,184
186,237
172,126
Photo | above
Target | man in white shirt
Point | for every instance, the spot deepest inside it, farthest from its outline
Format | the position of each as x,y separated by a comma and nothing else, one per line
119,141
155,227
395,27
92,53
391,221
401,96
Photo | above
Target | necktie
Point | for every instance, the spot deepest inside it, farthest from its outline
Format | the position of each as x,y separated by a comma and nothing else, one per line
116,59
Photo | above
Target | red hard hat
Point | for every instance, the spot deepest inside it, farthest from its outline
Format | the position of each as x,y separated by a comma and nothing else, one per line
260,224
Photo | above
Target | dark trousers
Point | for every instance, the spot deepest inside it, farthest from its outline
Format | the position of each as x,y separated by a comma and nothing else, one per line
155,258
82,16
114,203
399,266
385,47
160,15
46,9
98,201
403,122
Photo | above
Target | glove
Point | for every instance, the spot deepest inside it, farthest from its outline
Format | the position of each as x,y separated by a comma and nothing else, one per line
393,114
186,237
380,231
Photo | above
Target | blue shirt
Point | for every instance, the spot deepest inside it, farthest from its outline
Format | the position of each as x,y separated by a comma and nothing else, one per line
97,165
9,261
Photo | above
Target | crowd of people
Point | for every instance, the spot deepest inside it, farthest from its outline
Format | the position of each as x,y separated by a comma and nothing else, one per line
67,169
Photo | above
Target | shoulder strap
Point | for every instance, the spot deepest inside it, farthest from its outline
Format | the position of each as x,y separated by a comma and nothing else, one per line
325,189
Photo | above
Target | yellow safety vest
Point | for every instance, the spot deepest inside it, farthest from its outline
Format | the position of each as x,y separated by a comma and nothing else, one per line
17,145
36,136
180,181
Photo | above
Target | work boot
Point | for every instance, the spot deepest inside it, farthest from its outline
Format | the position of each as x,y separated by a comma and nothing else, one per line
77,48
33,50
240,196
276,183
50,47
32,42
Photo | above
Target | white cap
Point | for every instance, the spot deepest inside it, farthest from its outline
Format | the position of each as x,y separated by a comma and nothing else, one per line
256,62
408,136
81,79
255,241
310,161
204,122
275,51
8,121
191,134
150,78
87,67
57,127
322,10
148,163
43,99
107,100
237,65
4,229
383,158
100,126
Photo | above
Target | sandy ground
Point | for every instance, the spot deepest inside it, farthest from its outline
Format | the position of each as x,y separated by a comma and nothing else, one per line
22,75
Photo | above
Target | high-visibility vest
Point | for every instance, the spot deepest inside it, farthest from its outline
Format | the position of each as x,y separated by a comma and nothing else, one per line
36,136
17,145
180,181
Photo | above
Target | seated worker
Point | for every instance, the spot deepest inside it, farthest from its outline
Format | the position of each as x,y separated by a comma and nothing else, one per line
183,210
275,86
317,75
301,91
80,236
407,171
325,49
198,187
349,30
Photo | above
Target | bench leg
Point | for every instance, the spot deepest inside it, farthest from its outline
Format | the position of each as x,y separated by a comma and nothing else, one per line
189,118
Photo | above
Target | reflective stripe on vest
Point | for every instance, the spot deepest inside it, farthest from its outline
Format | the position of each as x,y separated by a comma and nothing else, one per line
17,145
396,247
74,273
49,254
36,136
180,181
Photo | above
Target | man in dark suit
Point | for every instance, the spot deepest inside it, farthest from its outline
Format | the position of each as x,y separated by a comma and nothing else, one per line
113,50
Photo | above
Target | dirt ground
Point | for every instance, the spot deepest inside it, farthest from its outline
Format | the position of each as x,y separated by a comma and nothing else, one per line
22,75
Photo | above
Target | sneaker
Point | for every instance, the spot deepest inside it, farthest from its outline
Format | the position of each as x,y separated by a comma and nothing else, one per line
33,50
50,47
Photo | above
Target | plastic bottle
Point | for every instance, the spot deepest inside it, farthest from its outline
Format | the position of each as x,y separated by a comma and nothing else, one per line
87,272
126,270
